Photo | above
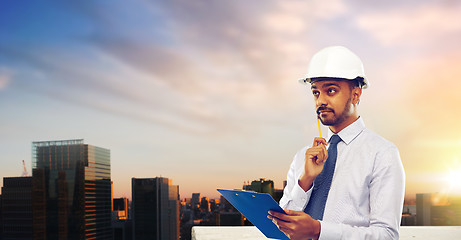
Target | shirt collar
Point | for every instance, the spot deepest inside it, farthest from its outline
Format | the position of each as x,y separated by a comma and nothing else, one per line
350,132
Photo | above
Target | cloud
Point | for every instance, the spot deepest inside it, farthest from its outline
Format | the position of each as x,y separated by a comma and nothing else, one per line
416,24
197,65
292,18
224,57
109,85
5,77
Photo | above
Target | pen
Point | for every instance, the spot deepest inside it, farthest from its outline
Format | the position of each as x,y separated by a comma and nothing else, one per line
318,123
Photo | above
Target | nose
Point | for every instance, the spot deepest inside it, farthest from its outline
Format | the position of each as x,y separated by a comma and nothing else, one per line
321,100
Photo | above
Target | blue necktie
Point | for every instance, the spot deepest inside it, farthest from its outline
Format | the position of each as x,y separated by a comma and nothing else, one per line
322,182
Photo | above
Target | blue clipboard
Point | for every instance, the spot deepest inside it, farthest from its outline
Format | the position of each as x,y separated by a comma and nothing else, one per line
254,206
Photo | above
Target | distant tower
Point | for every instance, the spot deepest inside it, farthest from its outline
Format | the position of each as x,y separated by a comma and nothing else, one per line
205,204
71,190
247,186
1,216
423,209
155,209
120,208
263,186
195,201
17,208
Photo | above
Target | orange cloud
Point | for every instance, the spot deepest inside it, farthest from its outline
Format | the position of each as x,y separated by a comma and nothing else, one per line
411,26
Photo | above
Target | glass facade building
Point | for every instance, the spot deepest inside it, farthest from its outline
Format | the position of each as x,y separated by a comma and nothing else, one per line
155,209
71,190
16,208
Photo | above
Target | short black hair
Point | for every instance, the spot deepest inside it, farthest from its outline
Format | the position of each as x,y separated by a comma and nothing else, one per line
353,83
357,82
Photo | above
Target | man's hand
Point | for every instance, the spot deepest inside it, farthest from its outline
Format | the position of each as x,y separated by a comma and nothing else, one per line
296,224
314,160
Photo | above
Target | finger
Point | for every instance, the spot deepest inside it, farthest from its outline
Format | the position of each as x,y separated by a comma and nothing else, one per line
286,231
280,216
292,212
280,224
289,212
319,141
316,154
324,153
322,158
272,213
273,220
319,160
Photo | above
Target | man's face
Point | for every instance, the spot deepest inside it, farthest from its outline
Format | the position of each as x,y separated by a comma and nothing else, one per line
332,101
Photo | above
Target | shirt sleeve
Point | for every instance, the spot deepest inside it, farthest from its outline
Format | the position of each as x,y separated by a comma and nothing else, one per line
387,189
294,197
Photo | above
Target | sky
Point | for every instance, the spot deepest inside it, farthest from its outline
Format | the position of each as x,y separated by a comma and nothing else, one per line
205,92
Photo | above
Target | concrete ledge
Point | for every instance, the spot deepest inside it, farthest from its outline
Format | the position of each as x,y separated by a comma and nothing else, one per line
430,232
252,233
226,233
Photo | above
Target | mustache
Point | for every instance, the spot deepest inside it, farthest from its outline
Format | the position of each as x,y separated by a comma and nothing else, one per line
320,109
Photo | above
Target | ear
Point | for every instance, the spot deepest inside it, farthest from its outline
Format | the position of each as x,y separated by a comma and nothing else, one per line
356,93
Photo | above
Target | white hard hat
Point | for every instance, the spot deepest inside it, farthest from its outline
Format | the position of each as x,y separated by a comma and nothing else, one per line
335,62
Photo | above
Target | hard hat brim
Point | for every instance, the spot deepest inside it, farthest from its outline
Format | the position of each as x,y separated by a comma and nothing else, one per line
364,82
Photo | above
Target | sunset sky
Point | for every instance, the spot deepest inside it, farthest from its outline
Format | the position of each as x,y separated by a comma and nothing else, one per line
206,92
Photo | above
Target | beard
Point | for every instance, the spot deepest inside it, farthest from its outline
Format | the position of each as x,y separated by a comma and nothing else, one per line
335,120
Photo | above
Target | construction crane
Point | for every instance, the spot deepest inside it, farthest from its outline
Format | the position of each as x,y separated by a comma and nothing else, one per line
25,173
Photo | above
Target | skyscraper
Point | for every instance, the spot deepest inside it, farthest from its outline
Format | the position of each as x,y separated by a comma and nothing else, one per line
263,186
122,226
423,209
195,201
155,209
1,219
17,208
71,190
120,208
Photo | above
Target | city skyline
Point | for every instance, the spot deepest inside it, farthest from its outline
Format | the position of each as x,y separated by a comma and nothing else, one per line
206,93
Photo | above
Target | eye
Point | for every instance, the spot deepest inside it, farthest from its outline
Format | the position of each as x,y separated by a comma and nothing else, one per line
331,90
315,93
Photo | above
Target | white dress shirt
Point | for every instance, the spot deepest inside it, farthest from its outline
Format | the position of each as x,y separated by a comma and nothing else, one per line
367,191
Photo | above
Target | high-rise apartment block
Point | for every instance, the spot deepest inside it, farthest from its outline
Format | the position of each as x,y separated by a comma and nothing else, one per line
155,207
423,209
16,208
71,190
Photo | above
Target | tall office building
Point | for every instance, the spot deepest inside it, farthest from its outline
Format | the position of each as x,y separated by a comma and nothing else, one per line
120,208
263,186
205,204
423,209
195,201
1,219
155,206
71,190
121,225
16,208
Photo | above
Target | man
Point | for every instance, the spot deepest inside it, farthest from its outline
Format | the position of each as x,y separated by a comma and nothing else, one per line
355,189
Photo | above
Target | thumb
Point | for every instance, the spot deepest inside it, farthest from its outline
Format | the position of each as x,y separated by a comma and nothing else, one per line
291,212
